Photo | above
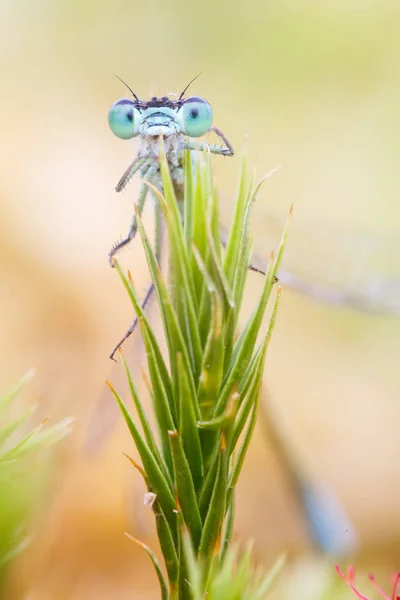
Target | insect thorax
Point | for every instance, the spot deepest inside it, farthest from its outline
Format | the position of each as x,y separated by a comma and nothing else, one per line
150,147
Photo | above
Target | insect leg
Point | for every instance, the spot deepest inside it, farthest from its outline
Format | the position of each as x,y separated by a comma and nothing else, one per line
133,228
135,322
256,269
139,161
227,151
158,244
211,147
224,139
253,266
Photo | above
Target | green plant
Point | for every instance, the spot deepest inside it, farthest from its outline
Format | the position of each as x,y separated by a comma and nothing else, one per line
20,478
205,399
236,576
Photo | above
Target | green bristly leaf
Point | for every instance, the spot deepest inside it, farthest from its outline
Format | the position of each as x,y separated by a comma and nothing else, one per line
213,361
206,392
216,511
148,335
162,411
185,488
156,564
232,255
168,545
188,427
238,464
175,338
154,474
188,201
227,532
209,483
148,434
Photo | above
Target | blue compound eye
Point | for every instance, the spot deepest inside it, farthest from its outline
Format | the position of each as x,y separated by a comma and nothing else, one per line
121,118
196,116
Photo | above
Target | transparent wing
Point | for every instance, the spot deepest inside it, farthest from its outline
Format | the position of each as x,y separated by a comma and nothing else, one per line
335,265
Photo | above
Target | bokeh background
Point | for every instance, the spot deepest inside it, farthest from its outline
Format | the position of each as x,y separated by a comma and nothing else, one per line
312,86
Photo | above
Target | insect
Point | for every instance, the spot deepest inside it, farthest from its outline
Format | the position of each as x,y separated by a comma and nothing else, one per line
335,267
177,121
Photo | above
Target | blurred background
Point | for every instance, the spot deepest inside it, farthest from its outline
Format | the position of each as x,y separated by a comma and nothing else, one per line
312,86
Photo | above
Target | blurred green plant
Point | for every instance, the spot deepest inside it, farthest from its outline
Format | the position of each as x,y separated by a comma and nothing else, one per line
21,481
205,400
236,577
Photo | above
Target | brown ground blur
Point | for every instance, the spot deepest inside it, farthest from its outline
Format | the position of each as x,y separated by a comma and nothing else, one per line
315,87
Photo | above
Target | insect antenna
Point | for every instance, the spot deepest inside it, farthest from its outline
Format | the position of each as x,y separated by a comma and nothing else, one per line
190,83
131,91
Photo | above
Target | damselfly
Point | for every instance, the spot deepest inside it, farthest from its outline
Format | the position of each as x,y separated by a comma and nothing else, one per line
179,120
336,267
176,121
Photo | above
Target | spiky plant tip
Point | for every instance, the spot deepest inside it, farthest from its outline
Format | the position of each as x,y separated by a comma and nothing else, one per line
205,392
236,576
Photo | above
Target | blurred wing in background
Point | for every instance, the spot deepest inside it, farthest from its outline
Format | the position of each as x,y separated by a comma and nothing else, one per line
340,267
